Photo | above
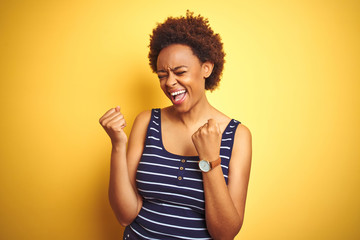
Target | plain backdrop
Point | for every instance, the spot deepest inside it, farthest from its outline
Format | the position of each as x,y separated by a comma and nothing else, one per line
291,76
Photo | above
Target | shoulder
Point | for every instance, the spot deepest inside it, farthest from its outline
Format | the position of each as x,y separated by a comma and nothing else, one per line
142,118
138,133
242,148
242,133
140,124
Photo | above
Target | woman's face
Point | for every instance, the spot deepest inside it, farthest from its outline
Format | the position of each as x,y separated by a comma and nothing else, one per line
182,76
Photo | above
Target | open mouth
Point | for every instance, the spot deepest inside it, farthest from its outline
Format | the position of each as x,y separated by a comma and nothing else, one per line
178,96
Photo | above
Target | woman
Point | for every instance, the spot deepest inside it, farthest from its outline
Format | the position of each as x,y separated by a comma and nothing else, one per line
185,172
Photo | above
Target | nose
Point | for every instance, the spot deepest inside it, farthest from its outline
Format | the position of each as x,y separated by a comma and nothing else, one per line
171,80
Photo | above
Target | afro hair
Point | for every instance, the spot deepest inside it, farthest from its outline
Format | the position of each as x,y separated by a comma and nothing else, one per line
195,32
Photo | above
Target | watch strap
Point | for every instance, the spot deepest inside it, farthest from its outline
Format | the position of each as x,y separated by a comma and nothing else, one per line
215,163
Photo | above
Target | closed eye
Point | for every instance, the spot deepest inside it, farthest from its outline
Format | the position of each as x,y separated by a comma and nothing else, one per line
162,76
180,73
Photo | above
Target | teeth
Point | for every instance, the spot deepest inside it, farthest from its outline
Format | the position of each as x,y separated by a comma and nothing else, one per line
178,92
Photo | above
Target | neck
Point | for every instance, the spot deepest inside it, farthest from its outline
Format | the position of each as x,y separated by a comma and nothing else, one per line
198,114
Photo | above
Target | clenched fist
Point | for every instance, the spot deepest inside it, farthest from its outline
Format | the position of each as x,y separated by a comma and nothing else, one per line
207,140
113,122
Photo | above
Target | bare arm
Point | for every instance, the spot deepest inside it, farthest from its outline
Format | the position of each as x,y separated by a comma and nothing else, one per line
123,196
224,205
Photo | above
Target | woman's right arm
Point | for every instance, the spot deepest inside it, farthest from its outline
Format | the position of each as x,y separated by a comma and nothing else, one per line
123,196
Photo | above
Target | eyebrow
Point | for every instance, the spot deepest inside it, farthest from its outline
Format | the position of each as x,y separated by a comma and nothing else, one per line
172,69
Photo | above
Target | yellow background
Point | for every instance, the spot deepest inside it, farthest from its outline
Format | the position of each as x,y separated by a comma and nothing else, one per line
292,76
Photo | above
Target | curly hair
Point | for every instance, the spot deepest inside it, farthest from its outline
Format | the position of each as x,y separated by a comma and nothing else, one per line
195,32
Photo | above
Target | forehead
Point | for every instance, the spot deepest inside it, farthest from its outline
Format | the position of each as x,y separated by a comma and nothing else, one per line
176,55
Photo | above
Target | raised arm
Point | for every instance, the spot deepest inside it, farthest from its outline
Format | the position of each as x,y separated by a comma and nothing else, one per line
224,204
123,196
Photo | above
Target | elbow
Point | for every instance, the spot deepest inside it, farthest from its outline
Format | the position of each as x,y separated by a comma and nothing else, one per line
236,228
227,233
123,222
124,217
239,225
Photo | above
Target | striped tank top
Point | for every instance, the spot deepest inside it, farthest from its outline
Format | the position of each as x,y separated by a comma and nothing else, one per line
172,188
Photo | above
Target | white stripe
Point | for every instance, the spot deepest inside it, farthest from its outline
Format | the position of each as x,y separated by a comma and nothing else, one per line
170,185
191,169
224,166
153,146
154,129
153,138
176,236
228,132
159,156
169,225
226,176
225,147
173,216
142,235
156,123
157,174
193,179
160,165
168,205
177,203
156,111
156,117
172,194
226,139
226,157
232,126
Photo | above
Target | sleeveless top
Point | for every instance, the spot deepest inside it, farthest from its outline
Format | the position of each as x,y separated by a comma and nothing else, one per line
172,188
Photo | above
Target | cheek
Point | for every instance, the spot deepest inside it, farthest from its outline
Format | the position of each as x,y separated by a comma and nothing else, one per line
198,82
162,86
198,78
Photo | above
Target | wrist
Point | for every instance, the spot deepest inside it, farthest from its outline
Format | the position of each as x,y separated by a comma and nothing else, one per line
209,158
118,147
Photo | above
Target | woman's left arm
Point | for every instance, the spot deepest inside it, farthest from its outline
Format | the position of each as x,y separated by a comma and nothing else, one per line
224,204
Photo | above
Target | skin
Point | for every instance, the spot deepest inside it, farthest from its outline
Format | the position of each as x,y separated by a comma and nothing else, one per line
191,128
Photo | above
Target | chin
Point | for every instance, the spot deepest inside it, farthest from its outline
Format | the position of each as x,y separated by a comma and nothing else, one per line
181,108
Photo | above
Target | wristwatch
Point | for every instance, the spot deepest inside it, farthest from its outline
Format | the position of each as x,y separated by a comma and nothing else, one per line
206,166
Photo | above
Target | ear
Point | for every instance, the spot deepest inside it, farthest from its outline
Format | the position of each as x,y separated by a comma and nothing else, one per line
207,68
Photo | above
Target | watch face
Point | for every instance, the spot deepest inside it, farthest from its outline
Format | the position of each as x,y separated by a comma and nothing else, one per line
204,166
